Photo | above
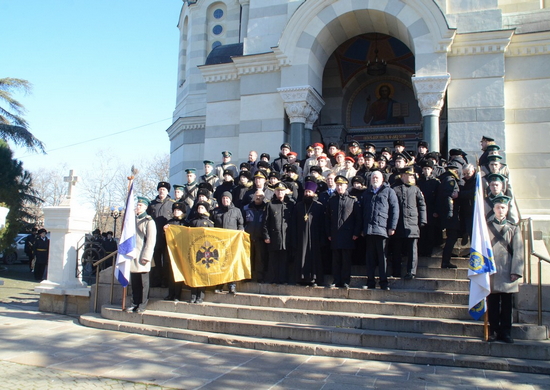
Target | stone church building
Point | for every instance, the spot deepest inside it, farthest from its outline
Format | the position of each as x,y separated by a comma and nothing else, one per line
256,73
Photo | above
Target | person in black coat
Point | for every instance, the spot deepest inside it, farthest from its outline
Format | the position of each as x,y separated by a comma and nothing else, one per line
466,196
280,162
201,219
308,232
412,216
226,186
260,179
343,226
448,211
227,216
174,288
160,209
277,219
430,234
109,246
380,216
41,253
253,225
244,185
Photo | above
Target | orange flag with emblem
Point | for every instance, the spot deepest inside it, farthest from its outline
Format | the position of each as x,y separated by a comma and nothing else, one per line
204,257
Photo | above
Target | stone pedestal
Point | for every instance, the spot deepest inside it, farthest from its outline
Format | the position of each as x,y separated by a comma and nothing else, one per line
64,292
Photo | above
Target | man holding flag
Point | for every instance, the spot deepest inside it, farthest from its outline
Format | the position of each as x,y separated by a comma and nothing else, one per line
137,244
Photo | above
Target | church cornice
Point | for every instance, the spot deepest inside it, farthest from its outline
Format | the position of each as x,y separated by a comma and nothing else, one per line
532,44
242,65
185,124
488,42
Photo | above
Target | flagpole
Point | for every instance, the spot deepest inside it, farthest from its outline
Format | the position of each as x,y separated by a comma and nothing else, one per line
130,181
486,326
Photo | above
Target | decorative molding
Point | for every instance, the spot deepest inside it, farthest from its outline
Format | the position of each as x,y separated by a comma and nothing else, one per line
218,73
430,93
262,63
492,42
302,104
185,124
529,45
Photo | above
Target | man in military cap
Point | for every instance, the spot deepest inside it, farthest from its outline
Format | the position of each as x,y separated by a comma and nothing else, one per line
253,213
458,156
160,209
354,150
178,191
293,160
430,234
209,176
190,188
41,250
140,266
226,165
312,161
245,183
280,161
485,141
421,151
333,148
412,216
277,219
399,161
227,185
260,179
348,171
507,247
292,180
380,216
369,147
265,157
343,226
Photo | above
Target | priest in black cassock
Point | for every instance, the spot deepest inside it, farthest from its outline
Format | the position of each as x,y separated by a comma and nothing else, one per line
309,232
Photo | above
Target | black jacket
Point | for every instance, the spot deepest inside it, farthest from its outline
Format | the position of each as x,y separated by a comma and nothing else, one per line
277,218
380,211
412,211
343,221
228,217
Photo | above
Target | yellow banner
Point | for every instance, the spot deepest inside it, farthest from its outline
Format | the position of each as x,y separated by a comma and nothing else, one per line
204,257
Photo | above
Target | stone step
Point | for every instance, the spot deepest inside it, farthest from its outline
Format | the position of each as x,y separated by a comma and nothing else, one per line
342,314
418,284
352,307
319,349
397,295
522,349
425,272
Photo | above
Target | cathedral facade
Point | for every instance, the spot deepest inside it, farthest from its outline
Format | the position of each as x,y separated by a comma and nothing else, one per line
256,73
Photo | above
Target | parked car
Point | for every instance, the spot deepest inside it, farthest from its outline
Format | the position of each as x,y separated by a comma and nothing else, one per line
17,251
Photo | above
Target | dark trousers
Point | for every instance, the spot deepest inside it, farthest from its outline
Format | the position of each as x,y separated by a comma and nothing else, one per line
174,288
427,240
376,256
160,272
411,248
341,266
499,310
140,288
258,259
452,236
39,271
277,267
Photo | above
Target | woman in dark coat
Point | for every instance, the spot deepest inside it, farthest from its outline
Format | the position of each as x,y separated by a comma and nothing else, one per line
41,253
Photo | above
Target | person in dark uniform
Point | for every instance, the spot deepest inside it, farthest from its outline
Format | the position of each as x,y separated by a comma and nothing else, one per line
178,218
178,192
507,247
227,216
343,226
277,219
109,246
245,183
380,216
227,185
29,247
430,234
412,216
42,253
308,232
253,223
448,211
485,141
160,209
260,179
280,161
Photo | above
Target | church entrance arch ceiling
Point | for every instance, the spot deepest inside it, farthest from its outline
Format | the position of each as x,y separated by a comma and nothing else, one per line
327,43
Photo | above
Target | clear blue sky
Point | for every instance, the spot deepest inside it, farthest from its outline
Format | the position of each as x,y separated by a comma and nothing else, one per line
98,68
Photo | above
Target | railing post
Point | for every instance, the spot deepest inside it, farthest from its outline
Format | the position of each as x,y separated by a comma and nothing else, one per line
540,292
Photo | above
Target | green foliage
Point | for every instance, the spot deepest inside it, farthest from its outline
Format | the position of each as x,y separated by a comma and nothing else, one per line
16,193
12,124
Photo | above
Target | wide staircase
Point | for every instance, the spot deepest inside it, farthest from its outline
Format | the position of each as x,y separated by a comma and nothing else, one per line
423,321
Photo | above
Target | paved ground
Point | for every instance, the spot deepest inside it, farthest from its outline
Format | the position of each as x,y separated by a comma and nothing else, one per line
51,351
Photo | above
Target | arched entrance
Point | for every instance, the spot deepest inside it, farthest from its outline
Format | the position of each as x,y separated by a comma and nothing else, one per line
318,29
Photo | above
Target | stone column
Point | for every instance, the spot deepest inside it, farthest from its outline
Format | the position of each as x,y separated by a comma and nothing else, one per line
67,224
245,11
430,93
302,105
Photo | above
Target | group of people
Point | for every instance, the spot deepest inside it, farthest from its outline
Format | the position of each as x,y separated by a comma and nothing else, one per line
320,215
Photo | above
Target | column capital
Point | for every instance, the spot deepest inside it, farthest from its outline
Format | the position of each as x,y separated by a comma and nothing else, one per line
430,92
302,104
